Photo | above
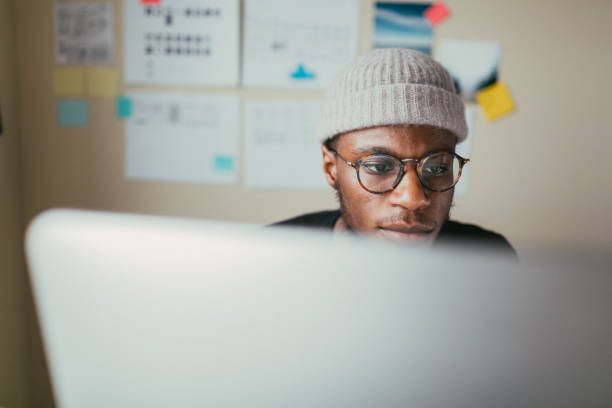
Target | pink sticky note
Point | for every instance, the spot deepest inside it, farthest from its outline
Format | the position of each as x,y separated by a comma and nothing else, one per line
437,13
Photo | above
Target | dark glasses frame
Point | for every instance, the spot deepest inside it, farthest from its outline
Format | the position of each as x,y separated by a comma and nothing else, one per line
357,163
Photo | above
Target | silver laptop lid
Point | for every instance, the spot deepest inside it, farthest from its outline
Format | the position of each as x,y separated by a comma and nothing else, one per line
141,311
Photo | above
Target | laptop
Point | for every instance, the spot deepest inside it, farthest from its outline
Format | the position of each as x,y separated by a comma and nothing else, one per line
143,311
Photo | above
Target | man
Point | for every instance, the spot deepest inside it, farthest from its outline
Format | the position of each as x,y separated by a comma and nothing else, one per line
390,124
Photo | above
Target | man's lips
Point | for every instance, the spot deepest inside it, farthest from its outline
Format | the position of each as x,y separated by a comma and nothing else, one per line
406,232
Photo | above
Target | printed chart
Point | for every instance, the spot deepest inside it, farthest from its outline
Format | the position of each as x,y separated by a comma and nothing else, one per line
183,138
182,42
281,146
297,44
84,33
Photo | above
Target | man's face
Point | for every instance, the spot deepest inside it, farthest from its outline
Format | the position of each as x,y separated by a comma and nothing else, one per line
410,213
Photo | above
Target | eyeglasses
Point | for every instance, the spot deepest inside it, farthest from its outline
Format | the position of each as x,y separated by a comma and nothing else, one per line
380,173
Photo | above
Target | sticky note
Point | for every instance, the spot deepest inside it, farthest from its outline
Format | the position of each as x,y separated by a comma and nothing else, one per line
68,81
72,112
437,13
150,2
495,101
224,163
123,106
101,82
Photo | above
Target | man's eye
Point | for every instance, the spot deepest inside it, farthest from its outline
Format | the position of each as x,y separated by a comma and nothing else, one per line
378,167
436,170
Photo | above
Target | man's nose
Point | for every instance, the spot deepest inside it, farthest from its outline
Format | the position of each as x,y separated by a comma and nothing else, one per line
410,193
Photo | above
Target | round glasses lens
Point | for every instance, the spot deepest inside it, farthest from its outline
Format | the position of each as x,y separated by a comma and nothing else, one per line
440,171
379,172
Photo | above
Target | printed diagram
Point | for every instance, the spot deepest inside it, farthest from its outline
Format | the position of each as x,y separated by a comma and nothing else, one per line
84,33
183,42
186,138
167,13
292,44
179,44
186,114
278,39
279,134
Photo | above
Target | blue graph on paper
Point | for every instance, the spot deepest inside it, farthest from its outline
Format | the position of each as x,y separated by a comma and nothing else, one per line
301,73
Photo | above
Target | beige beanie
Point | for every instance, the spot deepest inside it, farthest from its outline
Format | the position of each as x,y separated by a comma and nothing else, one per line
392,86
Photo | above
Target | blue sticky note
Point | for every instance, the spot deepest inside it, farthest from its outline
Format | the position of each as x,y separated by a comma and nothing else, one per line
72,112
124,107
224,163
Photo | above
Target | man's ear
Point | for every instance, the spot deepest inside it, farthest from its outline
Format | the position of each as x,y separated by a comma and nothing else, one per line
329,166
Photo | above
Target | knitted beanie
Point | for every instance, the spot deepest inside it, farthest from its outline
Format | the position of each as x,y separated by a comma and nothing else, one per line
392,86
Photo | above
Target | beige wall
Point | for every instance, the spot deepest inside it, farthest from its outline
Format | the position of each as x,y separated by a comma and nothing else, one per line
14,315
540,176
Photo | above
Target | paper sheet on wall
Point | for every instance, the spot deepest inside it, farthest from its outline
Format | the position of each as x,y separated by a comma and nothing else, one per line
297,43
183,138
182,42
464,149
402,25
473,65
84,33
281,146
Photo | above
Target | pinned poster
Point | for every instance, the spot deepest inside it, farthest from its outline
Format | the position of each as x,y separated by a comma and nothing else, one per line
72,113
84,33
281,146
464,149
101,82
473,65
437,13
402,25
184,138
298,44
186,42
69,81
495,101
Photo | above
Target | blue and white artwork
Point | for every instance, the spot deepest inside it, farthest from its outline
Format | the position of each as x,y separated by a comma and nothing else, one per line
473,65
401,25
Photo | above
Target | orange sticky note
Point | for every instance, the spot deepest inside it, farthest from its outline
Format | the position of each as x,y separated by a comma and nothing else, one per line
150,2
102,82
68,81
437,13
495,101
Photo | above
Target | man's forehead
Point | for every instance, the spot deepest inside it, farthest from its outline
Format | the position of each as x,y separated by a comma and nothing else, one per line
399,136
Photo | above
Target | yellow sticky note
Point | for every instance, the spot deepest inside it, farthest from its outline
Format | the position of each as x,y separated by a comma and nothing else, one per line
68,81
495,101
102,82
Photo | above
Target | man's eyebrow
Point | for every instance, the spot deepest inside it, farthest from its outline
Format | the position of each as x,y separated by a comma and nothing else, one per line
365,150
360,151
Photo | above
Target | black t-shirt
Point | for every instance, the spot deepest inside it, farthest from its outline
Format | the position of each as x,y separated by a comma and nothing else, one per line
453,233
